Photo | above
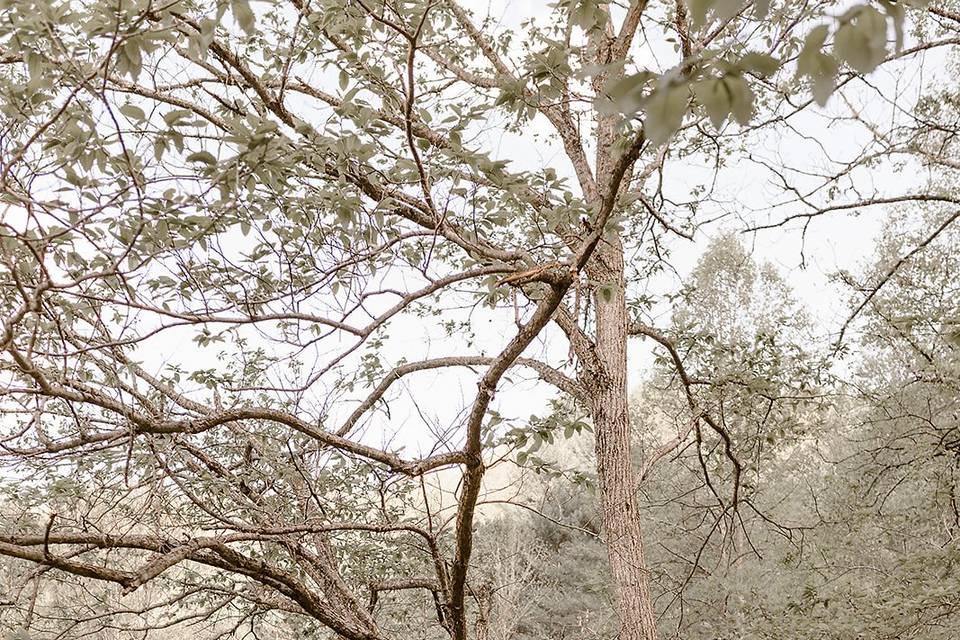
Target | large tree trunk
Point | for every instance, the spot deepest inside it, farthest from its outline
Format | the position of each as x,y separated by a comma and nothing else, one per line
615,473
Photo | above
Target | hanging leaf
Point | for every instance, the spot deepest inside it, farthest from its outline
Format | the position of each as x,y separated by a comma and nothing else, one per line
741,99
174,117
820,67
243,14
722,96
626,95
760,64
714,97
697,9
703,12
202,156
133,112
664,111
726,9
861,40
588,14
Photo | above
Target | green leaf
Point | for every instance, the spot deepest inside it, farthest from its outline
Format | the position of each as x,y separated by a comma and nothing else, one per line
243,15
954,337
697,10
159,148
133,112
741,99
861,40
131,57
714,97
171,118
726,9
202,156
34,64
815,40
625,95
820,67
760,64
72,177
537,443
723,96
664,112
715,9
588,14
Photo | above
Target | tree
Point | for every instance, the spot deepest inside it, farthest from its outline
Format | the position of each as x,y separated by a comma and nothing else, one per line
847,514
225,241
748,357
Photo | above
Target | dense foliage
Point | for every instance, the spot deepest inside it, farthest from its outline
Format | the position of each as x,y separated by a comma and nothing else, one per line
329,318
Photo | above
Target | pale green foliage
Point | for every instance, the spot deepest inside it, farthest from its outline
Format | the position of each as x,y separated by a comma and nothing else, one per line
820,67
237,208
720,79
849,522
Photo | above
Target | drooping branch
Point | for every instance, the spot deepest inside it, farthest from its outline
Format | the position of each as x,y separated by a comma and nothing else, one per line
697,410
889,273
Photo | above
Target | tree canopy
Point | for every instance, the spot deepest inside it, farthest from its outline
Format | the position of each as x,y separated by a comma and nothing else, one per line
282,281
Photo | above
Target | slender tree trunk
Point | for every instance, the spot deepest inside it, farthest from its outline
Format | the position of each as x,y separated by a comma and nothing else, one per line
484,606
615,473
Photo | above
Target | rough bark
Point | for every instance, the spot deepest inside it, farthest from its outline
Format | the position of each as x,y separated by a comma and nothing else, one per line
616,476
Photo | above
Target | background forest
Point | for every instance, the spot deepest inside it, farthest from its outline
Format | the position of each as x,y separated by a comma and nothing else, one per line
414,319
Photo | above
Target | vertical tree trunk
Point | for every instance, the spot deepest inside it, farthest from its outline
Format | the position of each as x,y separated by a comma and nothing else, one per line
615,473
484,606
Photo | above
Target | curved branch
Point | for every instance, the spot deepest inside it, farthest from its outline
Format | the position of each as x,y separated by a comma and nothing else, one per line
547,373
